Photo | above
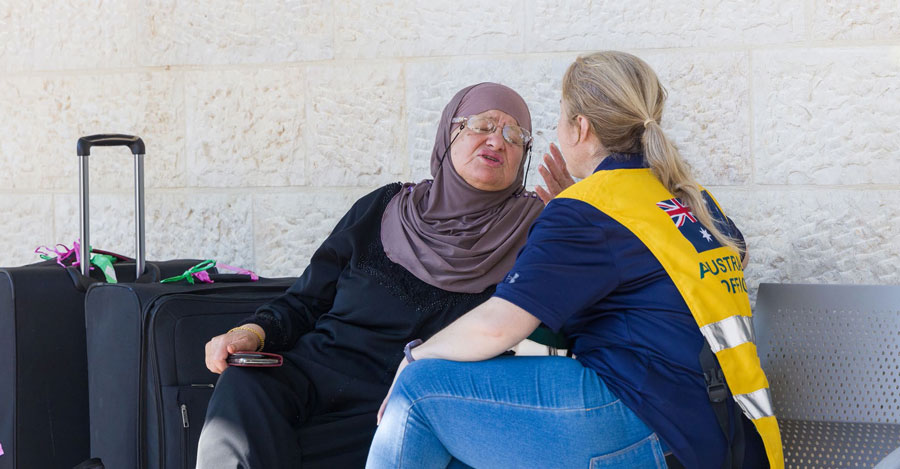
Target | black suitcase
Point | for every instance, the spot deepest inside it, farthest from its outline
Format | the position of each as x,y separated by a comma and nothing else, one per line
43,363
149,386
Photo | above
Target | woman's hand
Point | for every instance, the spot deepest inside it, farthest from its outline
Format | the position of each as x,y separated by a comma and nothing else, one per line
239,340
391,389
555,174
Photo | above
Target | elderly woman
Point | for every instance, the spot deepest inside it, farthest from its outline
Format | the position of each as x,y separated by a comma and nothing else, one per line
640,267
404,262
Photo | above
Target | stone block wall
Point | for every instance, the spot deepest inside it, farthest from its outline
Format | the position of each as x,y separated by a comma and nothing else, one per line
265,119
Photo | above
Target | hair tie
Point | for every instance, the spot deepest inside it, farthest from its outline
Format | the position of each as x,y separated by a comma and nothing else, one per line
647,122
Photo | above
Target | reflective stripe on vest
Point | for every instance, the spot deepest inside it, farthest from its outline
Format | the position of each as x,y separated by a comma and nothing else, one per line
757,404
708,276
729,332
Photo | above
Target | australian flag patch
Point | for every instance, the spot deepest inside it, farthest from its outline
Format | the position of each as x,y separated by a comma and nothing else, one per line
688,225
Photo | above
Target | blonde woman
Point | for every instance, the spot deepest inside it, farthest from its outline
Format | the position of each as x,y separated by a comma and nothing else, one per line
640,268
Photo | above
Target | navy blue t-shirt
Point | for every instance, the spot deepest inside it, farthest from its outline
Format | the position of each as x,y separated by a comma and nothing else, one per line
586,275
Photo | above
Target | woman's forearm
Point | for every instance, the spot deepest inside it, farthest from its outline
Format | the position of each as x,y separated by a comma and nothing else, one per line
485,332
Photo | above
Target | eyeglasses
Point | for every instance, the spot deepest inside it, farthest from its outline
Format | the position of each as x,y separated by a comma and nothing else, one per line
487,125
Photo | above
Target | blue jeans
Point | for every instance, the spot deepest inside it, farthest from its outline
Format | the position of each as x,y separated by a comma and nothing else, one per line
509,412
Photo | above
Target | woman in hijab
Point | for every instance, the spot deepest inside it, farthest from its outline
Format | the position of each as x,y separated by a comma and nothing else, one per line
404,262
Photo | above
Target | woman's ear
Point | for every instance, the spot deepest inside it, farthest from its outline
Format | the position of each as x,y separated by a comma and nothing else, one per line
584,128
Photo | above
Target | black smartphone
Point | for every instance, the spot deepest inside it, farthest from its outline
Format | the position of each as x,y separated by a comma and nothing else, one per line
254,359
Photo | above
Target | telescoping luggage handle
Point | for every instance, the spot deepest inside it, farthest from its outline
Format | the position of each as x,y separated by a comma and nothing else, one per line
137,149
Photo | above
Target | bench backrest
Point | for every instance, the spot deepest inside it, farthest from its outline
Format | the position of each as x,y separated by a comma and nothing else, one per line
832,357
831,352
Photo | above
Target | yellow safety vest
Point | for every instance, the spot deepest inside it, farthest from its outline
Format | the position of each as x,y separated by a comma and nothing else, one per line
711,281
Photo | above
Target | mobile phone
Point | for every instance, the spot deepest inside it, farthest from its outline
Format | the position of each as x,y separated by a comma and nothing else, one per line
254,359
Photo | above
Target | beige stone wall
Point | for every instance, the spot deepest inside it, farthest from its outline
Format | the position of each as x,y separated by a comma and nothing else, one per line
265,119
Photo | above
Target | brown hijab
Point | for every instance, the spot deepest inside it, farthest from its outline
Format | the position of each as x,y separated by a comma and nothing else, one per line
448,233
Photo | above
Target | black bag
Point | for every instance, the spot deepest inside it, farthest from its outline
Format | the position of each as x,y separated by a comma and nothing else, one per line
43,363
149,385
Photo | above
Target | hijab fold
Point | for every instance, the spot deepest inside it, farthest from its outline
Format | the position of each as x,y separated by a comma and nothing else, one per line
448,233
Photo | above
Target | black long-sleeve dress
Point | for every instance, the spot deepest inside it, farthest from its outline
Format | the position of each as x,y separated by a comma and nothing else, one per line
341,328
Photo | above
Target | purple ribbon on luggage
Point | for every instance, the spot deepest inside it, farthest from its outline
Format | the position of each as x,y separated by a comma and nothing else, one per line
199,273
61,254
203,276
76,246
46,253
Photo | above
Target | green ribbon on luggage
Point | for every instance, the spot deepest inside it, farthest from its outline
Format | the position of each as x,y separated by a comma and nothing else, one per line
105,264
189,274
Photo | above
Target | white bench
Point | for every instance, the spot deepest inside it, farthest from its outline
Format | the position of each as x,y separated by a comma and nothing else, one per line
832,357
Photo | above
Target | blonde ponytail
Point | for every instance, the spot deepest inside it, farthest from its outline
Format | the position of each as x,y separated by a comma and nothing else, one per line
622,98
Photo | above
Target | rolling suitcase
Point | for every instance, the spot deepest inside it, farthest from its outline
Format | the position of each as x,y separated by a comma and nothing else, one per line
43,364
149,386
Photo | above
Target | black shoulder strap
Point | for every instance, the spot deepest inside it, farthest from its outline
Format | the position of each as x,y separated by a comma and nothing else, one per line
718,392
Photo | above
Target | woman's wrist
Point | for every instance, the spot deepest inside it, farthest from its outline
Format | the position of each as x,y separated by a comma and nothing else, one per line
256,331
